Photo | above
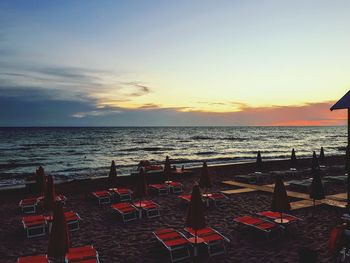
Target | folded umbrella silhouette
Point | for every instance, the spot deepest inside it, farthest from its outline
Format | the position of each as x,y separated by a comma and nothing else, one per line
167,168
195,214
50,194
59,236
280,201
112,177
205,180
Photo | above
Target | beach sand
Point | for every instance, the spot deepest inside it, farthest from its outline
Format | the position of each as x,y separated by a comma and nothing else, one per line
134,242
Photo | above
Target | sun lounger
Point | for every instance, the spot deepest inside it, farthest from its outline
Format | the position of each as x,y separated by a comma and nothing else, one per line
185,198
175,187
61,198
103,197
251,178
33,259
214,241
336,179
127,211
217,198
29,205
72,219
174,242
84,254
277,215
122,194
149,207
262,225
161,189
34,225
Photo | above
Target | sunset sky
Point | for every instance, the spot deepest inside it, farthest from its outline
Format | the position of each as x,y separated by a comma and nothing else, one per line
135,63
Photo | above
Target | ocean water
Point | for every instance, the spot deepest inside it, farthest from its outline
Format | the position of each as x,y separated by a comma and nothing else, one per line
73,152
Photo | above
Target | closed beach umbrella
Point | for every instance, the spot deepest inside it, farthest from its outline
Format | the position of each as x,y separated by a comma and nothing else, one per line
40,180
167,168
205,181
50,194
141,185
59,236
195,214
280,201
344,103
112,177
259,162
315,164
293,159
316,187
322,158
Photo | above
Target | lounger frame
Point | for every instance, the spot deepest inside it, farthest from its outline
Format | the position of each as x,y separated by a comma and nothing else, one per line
216,246
173,250
35,230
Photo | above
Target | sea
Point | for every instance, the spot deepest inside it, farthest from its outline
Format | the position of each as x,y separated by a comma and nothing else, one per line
80,152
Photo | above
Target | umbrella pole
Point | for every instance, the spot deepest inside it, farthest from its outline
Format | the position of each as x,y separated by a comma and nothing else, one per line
195,243
281,218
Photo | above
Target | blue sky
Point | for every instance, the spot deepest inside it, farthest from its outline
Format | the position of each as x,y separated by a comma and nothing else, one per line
172,62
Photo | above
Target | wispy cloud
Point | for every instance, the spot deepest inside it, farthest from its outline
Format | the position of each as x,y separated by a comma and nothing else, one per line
70,83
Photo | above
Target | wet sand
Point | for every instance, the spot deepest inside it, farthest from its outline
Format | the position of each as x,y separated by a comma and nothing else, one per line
134,242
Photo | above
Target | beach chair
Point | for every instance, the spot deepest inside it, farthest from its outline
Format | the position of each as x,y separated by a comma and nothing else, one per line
122,194
85,254
259,224
175,187
161,189
73,220
214,241
126,210
277,215
149,207
33,259
103,197
185,198
29,205
217,198
175,243
34,225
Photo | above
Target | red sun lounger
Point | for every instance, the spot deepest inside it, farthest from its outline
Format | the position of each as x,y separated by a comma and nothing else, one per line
72,219
29,205
213,239
217,198
175,187
185,198
84,254
103,197
257,223
122,194
149,207
34,225
127,211
33,259
161,189
59,197
174,242
277,215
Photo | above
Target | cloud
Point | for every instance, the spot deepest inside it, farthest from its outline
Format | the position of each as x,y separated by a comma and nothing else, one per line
71,83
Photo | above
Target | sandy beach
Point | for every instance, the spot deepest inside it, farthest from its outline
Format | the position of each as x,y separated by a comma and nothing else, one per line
134,242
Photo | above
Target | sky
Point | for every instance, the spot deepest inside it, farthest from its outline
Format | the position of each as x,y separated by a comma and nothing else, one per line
185,62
